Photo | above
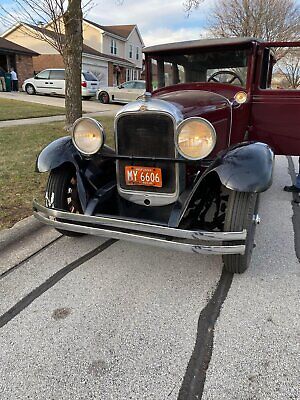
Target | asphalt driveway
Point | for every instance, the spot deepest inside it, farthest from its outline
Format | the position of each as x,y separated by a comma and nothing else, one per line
91,318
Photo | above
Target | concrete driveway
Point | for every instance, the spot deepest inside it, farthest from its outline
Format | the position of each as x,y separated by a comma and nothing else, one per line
88,106
91,318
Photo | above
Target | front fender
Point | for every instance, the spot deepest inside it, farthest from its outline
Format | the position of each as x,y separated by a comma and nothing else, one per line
247,167
57,153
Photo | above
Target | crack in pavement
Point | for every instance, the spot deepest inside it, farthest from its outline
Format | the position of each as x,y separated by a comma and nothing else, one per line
194,379
16,266
50,282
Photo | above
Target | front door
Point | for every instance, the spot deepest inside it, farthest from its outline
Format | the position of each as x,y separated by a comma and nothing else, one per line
126,92
41,82
276,100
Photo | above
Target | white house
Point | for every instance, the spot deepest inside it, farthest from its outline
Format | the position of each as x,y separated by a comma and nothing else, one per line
113,53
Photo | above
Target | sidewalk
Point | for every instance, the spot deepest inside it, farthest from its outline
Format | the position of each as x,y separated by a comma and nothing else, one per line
55,118
88,106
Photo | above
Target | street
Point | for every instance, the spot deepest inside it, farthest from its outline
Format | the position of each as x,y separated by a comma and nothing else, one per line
92,318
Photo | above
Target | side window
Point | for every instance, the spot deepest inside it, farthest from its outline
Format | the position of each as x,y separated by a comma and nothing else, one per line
265,70
281,69
128,85
113,46
139,85
57,74
43,75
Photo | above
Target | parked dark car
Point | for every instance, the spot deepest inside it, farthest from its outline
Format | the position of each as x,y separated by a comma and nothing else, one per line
191,157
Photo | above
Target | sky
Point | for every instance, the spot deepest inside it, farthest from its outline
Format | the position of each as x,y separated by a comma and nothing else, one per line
159,21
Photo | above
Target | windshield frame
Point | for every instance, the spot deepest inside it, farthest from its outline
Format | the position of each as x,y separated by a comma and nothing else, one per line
250,65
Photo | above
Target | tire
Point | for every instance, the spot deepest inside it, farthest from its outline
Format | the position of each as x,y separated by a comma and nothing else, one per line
61,193
103,97
241,209
30,89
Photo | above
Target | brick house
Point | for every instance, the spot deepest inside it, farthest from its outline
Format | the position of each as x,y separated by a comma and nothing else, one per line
112,53
18,57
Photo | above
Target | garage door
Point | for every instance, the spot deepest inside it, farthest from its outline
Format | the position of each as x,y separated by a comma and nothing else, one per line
98,67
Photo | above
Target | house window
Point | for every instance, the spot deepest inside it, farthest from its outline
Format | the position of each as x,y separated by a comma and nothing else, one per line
130,51
137,53
113,46
128,75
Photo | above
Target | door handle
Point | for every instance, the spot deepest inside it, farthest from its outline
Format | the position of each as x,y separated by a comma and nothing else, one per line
51,83
46,83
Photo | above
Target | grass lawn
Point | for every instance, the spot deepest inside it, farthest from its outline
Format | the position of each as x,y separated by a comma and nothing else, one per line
15,109
19,183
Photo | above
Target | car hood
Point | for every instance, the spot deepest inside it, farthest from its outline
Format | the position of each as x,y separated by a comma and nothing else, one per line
183,104
214,107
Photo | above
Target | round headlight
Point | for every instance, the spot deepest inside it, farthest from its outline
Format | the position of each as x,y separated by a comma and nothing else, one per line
196,138
240,97
88,135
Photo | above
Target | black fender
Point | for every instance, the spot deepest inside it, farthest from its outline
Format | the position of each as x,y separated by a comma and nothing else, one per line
246,167
63,151
57,153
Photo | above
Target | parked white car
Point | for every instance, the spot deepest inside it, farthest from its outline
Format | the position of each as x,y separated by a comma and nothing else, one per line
127,91
52,81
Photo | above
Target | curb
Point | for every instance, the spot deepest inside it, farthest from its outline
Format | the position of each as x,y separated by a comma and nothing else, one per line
17,232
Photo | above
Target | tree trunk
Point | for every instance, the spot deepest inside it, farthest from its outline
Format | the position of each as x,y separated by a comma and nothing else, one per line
72,55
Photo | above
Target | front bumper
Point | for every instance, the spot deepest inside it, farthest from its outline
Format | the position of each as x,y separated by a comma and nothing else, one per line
190,241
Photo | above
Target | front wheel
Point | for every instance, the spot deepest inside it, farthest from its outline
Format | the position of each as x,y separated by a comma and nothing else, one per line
30,89
241,213
61,193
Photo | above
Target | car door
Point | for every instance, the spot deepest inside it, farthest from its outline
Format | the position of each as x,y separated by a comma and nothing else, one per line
126,92
57,81
41,82
139,89
276,104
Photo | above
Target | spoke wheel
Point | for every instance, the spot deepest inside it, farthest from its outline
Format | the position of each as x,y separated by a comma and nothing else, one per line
61,193
241,213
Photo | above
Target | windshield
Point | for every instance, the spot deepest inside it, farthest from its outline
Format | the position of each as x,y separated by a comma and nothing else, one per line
222,66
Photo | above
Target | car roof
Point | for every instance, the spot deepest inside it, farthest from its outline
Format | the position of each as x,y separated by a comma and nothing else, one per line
193,44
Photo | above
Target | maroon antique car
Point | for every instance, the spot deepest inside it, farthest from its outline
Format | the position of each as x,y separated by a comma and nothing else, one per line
191,157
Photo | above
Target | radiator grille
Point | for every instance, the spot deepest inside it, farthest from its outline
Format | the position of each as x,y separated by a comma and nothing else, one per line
147,135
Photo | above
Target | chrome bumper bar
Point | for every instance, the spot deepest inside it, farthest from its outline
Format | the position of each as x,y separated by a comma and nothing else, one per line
170,238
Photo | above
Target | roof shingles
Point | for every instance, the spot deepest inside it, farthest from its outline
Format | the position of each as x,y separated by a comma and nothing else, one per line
118,30
86,49
8,46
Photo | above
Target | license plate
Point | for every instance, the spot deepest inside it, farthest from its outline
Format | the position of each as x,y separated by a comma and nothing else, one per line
144,176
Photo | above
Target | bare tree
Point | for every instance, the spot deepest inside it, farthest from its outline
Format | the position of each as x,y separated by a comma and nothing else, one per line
289,69
264,19
58,23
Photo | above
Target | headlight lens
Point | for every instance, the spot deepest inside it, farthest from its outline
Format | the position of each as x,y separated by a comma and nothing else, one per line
88,135
196,138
